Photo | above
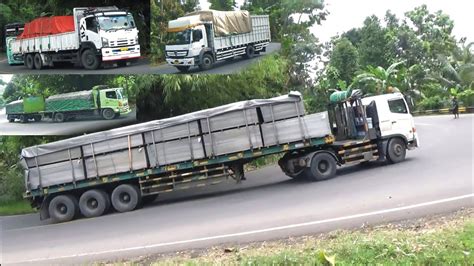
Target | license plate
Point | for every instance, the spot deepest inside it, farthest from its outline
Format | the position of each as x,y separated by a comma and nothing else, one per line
124,49
176,62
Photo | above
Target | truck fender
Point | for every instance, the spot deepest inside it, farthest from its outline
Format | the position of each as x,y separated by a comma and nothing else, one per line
205,51
388,137
44,212
310,156
87,45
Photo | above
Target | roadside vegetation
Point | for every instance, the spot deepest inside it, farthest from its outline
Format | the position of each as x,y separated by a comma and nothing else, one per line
429,241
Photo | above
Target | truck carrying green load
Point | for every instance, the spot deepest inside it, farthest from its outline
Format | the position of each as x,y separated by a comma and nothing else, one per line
109,103
123,167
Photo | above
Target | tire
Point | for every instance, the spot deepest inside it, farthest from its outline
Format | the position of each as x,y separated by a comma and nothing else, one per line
207,62
90,60
23,119
59,117
37,118
108,114
38,62
300,176
323,166
29,61
63,208
11,120
183,69
94,203
396,150
249,52
125,198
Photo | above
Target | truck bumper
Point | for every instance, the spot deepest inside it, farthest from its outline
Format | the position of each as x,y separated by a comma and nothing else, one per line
124,110
415,143
191,61
120,53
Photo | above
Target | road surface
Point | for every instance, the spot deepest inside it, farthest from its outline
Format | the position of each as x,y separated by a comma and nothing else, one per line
141,67
436,178
48,127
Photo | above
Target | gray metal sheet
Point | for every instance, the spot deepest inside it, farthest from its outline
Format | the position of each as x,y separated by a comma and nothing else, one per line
282,110
173,132
110,145
54,157
117,162
313,126
230,120
176,151
233,140
53,174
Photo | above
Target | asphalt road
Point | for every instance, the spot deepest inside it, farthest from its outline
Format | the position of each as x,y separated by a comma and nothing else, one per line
437,178
48,127
141,67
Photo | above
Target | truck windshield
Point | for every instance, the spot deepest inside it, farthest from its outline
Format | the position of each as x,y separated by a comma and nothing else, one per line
118,22
119,94
182,37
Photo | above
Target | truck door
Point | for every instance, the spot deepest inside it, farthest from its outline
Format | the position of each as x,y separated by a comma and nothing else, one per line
109,99
199,40
399,120
90,31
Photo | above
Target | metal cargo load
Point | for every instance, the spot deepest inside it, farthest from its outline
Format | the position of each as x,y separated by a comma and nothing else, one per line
228,129
225,22
73,101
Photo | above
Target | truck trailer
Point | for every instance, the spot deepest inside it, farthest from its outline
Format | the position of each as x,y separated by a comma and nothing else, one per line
203,38
90,37
12,31
125,167
108,103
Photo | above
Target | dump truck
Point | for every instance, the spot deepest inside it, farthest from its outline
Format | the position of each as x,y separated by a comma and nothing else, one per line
128,166
101,101
203,38
12,31
90,37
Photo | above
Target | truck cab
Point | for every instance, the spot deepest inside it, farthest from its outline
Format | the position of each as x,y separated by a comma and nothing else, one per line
11,32
111,99
110,32
189,39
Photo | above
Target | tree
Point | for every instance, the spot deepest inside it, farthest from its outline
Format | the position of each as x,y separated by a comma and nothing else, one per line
223,5
344,60
383,78
375,48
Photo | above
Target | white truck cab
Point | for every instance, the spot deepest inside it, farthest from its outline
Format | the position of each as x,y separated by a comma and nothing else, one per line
394,117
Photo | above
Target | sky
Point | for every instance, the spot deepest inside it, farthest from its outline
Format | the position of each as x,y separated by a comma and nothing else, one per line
347,14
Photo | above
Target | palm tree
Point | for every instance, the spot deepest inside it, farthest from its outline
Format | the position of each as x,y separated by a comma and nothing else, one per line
380,76
458,69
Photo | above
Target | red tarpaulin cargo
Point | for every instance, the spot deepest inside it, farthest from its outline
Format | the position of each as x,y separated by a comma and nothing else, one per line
48,25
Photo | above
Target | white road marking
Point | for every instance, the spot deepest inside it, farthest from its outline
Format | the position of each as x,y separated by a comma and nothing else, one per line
259,231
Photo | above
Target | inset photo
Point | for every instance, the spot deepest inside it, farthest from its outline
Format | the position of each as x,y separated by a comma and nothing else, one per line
215,37
71,37
44,105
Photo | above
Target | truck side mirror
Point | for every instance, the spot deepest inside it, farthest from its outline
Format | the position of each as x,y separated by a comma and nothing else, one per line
197,35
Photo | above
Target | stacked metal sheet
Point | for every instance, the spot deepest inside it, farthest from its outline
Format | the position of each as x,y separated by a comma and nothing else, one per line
212,132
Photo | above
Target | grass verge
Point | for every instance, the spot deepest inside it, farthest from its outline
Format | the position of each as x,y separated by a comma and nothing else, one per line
437,240
16,207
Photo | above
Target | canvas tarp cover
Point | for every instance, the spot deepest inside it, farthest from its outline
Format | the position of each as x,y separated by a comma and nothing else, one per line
72,101
14,107
226,22
45,26
62,145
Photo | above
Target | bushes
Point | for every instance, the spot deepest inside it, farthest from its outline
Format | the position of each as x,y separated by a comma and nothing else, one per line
434,102
11,185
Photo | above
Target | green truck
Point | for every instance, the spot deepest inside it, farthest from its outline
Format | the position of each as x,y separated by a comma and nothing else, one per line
109,103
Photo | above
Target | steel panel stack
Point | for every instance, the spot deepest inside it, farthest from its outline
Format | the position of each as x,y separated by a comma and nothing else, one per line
204,134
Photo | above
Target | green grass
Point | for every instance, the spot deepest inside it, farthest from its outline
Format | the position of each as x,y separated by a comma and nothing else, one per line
444,243
16,207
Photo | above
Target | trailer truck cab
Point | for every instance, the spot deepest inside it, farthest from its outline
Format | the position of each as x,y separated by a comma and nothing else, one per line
11,32
203,38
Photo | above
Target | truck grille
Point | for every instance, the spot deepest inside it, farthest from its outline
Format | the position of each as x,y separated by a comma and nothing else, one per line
177,54
122,42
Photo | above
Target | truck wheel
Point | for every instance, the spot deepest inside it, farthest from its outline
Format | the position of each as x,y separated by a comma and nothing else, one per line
108,114
29,61
62,208
94,203
396,150
299,176
249,52
38,61
59,117
207,62
183,69
90,60
11,120
37,118
125,198
323,166
23,118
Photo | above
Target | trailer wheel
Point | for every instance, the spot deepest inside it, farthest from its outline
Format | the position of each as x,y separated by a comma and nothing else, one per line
396,150
207,62
37,118
38,61
250,52
23,118
125,198
59,117
183,69
11,120
94,203
108,114
323,166
62,208
29,61
90,60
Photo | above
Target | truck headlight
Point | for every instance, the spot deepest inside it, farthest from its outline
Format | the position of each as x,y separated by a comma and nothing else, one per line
170,53
105,42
